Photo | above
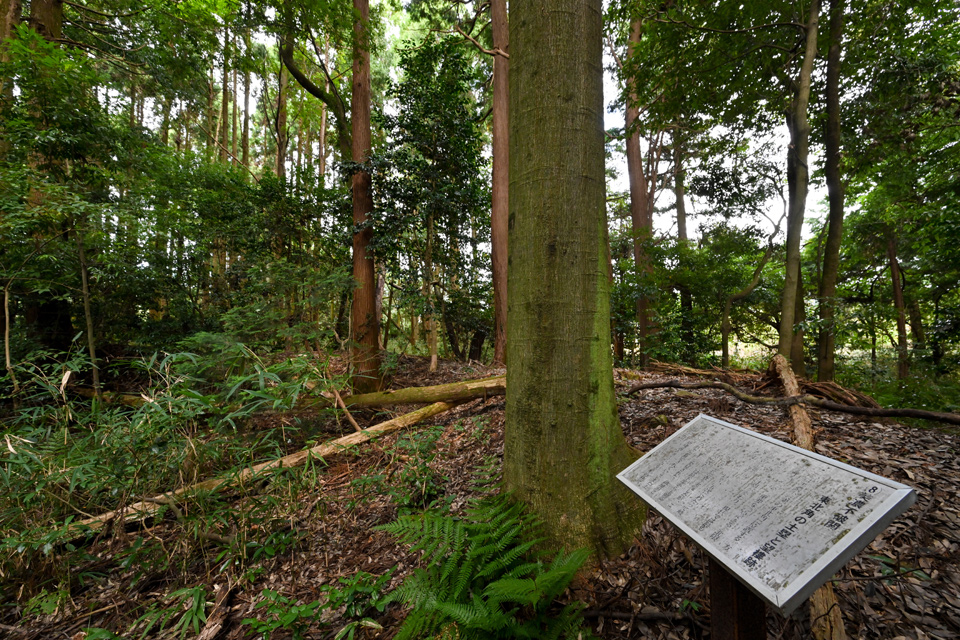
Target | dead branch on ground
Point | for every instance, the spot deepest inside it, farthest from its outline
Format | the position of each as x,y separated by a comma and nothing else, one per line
150,506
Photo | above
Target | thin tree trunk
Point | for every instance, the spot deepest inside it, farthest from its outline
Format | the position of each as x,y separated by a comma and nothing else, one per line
234,129
903,355
725,326
679,188
563,445
501,178
430,321
165,123
826,366
365,357
211,132
281,125
680,192
640,219
916,322
225,101
799,317
8,360
386,329
797,166
245,144
87,312
133,106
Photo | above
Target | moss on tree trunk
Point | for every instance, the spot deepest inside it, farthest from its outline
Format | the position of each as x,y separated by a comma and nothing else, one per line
563,444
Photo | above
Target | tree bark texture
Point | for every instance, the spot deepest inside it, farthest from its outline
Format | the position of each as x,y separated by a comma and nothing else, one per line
835,192
563,443
797,166
365,355
10,11
501,179
46,18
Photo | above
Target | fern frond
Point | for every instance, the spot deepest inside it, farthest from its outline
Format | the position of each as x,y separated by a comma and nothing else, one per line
483,578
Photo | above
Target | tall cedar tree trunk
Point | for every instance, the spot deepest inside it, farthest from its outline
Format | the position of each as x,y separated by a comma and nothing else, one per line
365,356
501,179
563,443
799,176
640,218
835,193
903,356
281,125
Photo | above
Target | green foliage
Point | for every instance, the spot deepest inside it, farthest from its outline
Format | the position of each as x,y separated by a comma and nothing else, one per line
360,595
416,485
431,197
483,578
283,613
191,601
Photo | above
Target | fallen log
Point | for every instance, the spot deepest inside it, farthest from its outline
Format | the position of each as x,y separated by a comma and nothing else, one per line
452,392
148,507
813,401
110,397
826,623
802,426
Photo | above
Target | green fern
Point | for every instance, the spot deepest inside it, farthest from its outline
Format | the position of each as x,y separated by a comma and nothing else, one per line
483,580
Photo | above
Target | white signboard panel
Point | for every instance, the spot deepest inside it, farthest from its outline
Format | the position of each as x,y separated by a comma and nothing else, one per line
781,519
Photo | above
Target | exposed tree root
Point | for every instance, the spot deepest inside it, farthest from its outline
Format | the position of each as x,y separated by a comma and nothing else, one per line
813,401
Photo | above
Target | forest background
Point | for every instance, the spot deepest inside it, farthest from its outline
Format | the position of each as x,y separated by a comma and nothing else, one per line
185,189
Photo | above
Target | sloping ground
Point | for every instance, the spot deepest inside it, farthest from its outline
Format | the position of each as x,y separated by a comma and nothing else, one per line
905,585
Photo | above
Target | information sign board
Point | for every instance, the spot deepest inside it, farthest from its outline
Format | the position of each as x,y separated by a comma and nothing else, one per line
782,519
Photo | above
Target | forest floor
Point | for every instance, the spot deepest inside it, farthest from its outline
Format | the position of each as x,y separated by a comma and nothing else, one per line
906,584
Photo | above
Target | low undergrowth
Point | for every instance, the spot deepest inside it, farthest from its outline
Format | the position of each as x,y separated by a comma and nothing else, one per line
68,458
